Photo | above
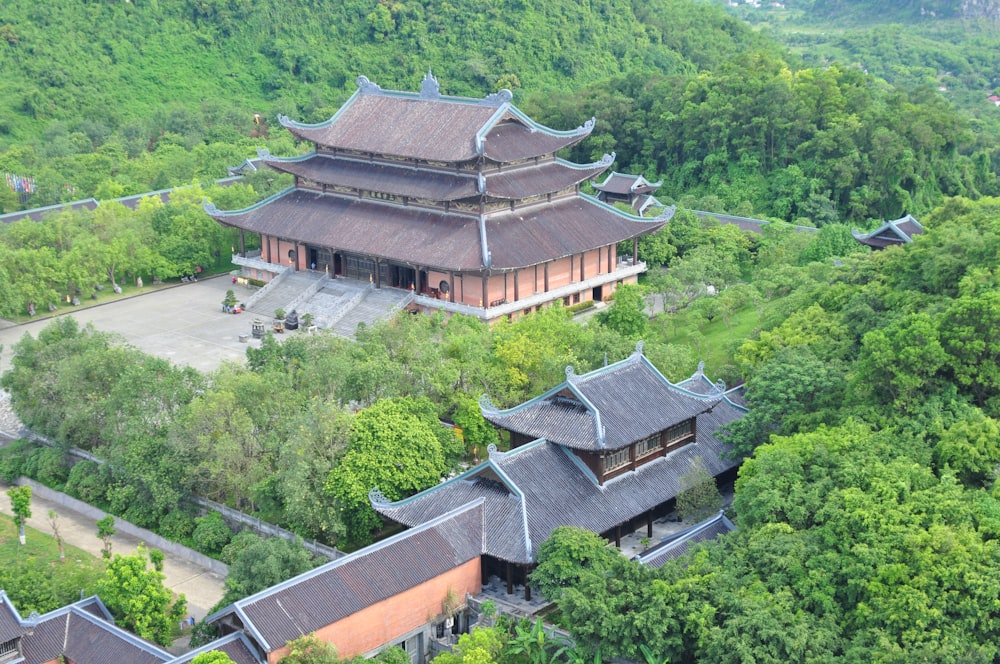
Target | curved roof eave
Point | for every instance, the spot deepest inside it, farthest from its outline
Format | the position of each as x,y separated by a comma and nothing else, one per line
218,214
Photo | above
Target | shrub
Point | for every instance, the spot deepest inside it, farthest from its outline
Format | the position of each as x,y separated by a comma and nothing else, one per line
211,533
177,525
86,483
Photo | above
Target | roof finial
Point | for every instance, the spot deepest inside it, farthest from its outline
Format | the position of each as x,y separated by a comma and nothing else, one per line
365,86
638,347
429,88
570,372
375,497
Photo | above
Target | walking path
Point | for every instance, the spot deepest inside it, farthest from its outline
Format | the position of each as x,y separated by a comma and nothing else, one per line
202,589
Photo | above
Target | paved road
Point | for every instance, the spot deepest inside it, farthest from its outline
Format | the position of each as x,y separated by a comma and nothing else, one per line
183,324
203,589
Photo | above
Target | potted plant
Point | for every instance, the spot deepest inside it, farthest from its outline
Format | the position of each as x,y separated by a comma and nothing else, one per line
307,323
279,321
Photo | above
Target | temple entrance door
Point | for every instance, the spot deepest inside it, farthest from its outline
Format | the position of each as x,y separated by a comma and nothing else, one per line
338,265
312,256
401,277
598,293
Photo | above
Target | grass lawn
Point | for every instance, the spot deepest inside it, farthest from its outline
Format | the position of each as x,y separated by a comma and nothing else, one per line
713,342
33,575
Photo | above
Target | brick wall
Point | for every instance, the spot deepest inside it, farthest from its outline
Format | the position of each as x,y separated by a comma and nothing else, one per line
388,620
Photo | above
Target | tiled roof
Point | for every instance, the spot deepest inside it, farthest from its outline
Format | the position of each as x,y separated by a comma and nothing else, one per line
83,638
514,141
898,231
347,585
677,544
608,408
236,645
433,127
533,489
402,180
10,619
625,185
545,178
37,214
573,225
436,239
399,180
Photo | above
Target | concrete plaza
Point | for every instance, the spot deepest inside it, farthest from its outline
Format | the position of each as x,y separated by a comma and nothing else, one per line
184,324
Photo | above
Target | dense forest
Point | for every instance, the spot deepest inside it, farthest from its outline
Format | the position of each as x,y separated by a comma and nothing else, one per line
108,99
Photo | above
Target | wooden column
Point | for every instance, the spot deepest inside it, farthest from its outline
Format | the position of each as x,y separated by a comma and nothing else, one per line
649,523
268,248
243,243
618,536
378,273
510,578
611,268
517,279
635,250
583,266
484,301
451,286
546,278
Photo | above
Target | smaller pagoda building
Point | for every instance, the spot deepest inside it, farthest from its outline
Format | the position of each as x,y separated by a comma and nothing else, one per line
897,231
603,451
462,201
633,190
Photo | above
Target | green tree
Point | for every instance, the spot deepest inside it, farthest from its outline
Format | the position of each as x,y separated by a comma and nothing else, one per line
137,598
627,314
261,563
310,650
211,533
483,645
20,505
699,496
212,657
105,531
393,447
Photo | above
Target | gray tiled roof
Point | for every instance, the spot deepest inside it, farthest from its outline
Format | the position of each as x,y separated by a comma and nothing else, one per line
84,638
625,184
10,620
236,645
533,489
897,231
676,545
347,585
626,402
548,488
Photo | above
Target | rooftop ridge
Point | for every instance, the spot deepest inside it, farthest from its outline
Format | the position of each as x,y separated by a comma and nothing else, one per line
368,550
213,211
665,216
265,155
594,410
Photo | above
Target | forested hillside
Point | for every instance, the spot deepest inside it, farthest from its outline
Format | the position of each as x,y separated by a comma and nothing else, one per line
109,99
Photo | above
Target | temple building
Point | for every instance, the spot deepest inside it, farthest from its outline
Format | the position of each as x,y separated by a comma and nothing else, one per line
633,190
461,201
603,451
898,231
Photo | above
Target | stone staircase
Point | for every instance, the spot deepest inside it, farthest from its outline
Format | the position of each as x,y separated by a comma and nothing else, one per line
281,295
372,305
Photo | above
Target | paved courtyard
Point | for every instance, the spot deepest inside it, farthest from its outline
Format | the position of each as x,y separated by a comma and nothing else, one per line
183,324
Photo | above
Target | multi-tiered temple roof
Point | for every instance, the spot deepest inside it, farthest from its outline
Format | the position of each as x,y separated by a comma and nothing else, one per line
536,487
444,186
